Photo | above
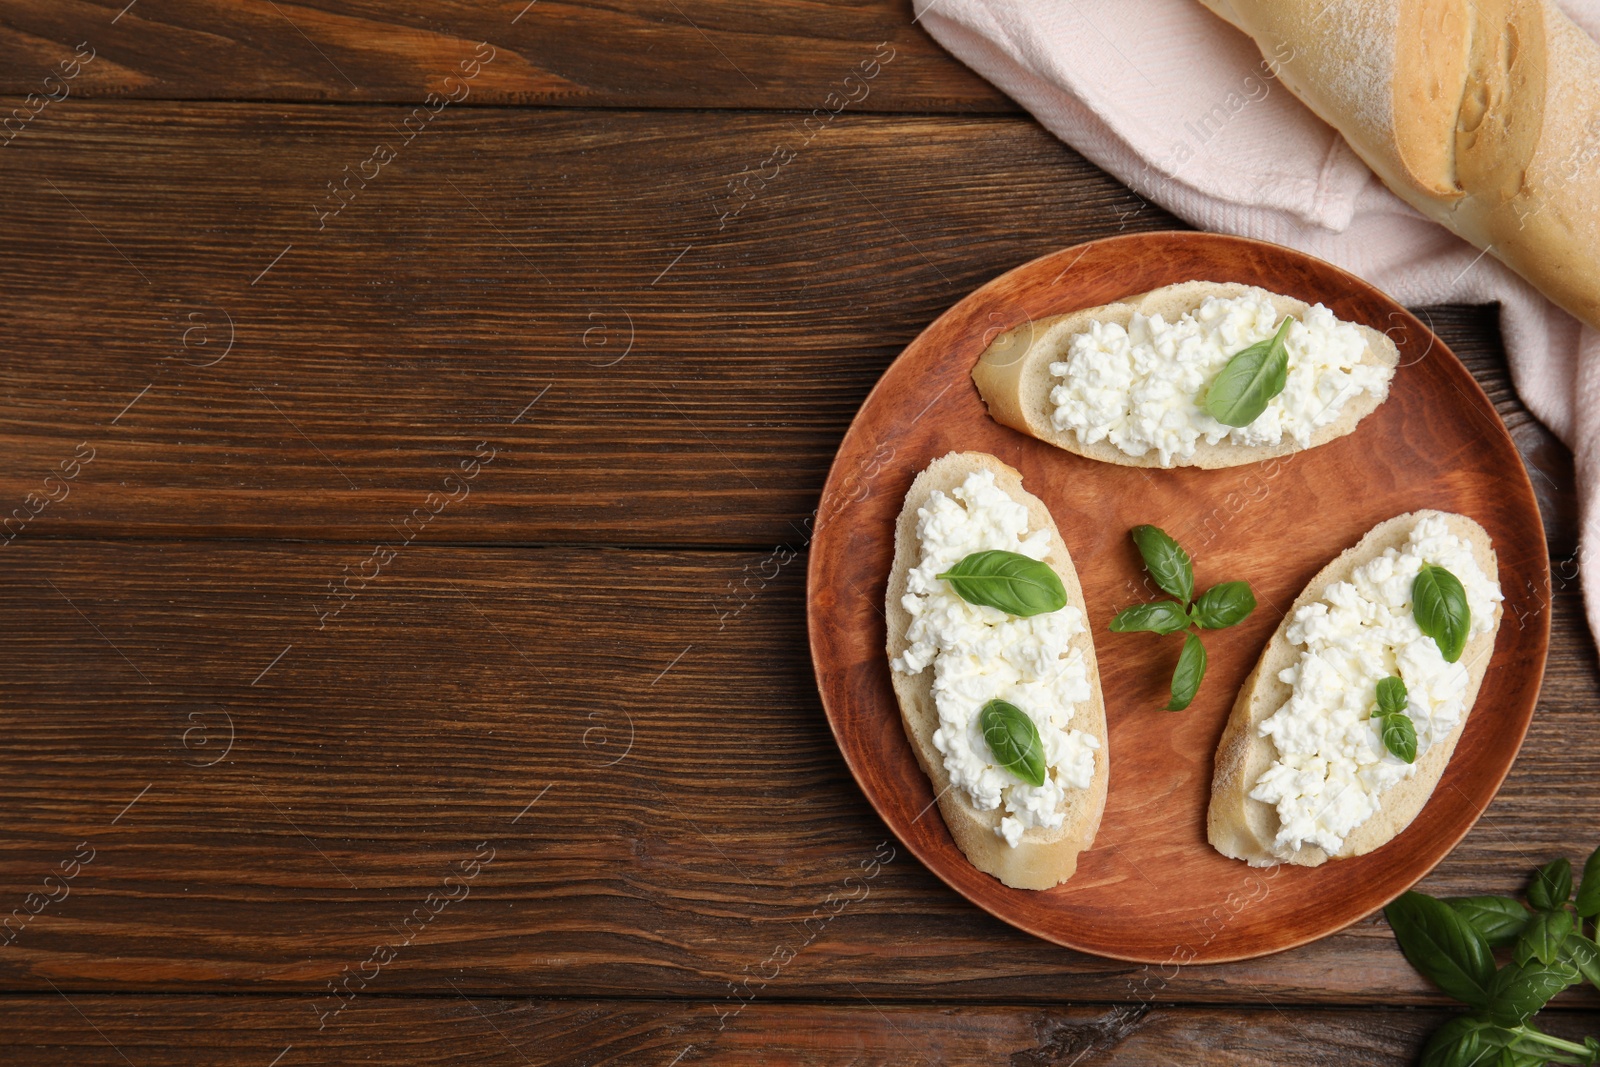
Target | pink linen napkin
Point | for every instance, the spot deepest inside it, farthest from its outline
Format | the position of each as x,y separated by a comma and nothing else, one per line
1184,109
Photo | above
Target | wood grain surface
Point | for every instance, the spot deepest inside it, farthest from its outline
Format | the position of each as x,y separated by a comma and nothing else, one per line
378,753
226,1031
695,315
502,253
683,53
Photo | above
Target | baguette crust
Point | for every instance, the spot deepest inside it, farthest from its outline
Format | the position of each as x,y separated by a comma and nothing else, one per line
1013,375
1043,858
1483,115
1242,828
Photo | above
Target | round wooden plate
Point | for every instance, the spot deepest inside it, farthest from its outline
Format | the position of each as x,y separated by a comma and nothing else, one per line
1150,889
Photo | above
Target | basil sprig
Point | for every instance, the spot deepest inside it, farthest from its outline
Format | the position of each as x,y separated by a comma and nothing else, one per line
1014,740
1398,731
1173,572
1440,605
1452,942
1241,390
1010,581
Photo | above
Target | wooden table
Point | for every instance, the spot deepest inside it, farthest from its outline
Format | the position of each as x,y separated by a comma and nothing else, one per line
405,655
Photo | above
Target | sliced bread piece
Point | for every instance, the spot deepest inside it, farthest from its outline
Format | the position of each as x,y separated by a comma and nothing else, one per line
1013,375
1243,828
1043,857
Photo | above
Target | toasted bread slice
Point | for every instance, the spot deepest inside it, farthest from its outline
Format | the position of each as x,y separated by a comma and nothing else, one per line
1044,857
1245,829
1013,375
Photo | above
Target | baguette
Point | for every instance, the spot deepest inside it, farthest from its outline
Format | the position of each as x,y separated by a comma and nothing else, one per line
1243,828
1481,114
1043,857
1013,375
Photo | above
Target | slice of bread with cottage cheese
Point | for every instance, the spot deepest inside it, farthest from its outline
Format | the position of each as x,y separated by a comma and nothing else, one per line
1302,775
1122,383
949,658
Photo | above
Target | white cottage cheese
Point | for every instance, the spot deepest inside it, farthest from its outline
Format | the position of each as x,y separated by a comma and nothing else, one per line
981,654
1331,761
1138,387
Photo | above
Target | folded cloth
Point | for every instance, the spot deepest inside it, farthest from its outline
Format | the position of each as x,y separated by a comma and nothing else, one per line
1186,111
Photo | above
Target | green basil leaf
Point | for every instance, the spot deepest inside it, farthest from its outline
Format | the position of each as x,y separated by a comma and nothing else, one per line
1186,677
1391,696
1166,561
1161,617
1223,605
1440,605
1510,1057
1589,888
1583,954
1552,885
1010,581
1464,1041
1499,919
1453,1044
1544,937
1014,740
1400,736
1443,946
1519,990
1241,391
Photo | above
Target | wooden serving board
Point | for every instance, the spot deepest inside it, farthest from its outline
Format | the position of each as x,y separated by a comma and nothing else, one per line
1151,889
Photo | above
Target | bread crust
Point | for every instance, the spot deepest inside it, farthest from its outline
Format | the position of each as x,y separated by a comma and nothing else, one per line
1482,115
1013,375
1242,828
1043,858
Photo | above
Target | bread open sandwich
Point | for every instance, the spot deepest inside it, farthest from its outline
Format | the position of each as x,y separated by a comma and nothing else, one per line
1200,374
994,670
1345,726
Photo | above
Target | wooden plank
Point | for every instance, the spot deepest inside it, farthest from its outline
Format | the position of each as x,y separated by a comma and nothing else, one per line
666,810
687,53
88,1029
699,378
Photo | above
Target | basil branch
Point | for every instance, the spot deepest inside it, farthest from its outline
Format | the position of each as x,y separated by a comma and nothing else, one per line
1551,942
1173,572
